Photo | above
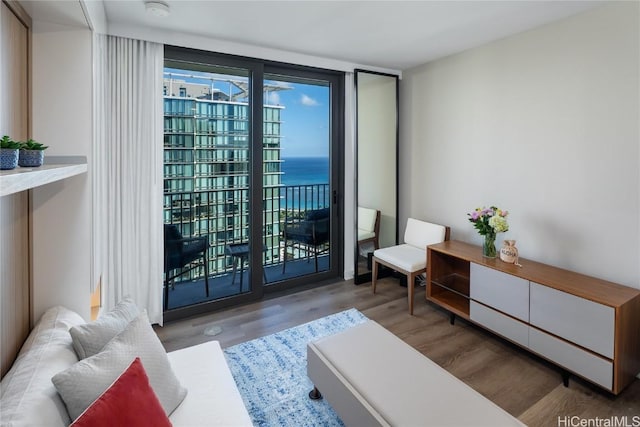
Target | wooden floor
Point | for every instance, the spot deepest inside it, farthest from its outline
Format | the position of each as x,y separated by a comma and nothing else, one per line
524,385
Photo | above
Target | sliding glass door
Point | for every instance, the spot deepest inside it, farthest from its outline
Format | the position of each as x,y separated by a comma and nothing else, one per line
206,182
297,126
251,172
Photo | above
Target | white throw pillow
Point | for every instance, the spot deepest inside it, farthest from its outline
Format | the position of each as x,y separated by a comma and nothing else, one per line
90,338
28,398
85,381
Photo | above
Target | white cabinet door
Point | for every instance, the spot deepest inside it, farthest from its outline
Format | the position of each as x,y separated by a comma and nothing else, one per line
575,319
506,326
504,292
575,359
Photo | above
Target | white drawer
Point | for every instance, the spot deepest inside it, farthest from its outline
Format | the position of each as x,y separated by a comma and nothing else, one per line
504,292
586,323
575,359
506,326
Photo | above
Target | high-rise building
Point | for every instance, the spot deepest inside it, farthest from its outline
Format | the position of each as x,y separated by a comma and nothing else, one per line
206,164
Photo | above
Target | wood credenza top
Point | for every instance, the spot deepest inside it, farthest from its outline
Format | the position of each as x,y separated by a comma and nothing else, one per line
588,287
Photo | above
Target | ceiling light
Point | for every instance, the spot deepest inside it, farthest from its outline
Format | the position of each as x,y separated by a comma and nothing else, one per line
157,8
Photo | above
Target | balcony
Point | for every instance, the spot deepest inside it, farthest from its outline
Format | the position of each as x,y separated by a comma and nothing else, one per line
223,216
189,292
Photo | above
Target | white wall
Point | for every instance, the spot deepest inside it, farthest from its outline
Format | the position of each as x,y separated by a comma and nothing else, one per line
544,124
62,211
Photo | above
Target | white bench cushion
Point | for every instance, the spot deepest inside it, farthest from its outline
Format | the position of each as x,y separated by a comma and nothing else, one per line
395,383
406,257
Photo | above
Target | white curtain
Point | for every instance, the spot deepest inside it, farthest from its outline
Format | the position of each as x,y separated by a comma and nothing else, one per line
127,170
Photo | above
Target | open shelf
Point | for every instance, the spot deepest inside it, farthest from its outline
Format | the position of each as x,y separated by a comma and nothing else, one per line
455,283
449,299
448,284
55,168
451,292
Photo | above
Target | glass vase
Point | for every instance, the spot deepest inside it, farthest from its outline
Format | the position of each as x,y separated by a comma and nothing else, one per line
489,246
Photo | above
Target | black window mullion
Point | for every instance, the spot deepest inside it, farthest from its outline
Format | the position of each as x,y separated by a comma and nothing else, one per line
256,180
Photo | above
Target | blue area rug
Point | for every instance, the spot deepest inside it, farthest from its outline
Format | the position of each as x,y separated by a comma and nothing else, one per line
271,373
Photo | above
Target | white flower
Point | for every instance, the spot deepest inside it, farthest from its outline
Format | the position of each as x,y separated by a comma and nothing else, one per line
498,223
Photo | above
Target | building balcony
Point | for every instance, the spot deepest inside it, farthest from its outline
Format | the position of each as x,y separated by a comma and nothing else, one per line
192,291
201,213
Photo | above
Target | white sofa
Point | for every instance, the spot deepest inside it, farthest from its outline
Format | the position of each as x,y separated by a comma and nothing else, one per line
213,398
29,398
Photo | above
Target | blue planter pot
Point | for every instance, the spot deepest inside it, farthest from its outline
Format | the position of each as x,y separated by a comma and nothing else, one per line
8,158
31,158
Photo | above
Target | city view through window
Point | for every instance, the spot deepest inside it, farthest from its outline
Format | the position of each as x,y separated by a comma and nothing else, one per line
207,169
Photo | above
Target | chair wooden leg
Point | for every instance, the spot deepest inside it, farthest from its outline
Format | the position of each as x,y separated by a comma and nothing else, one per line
374,274
411,280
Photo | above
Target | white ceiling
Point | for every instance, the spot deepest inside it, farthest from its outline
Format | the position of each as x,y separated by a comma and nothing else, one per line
391,34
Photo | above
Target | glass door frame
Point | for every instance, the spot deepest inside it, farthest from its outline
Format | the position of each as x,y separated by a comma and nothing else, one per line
257,69
335,80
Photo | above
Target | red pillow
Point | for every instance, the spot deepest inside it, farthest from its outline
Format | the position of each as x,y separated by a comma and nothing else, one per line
129,401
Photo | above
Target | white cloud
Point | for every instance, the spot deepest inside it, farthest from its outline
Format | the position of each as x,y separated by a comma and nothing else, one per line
308,101
273,98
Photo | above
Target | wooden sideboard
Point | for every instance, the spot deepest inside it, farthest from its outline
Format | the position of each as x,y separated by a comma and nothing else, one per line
589,327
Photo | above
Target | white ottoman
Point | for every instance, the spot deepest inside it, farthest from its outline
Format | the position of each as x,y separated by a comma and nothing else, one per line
371,377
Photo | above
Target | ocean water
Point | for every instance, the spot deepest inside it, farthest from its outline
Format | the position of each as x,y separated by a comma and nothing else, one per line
306,171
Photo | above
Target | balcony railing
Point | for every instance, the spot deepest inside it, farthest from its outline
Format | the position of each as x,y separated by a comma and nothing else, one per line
222,214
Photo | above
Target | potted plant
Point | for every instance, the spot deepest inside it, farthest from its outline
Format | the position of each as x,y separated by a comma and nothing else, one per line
31,153
8,153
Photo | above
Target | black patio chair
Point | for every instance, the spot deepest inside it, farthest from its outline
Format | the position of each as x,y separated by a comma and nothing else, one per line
311,231
183,254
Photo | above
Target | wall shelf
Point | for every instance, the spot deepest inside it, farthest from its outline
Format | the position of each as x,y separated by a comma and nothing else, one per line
56,168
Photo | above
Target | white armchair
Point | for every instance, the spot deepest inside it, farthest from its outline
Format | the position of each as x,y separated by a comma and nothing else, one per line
410,258
368,226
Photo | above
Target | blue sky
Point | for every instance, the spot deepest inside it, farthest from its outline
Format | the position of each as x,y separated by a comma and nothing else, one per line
305,127
305,119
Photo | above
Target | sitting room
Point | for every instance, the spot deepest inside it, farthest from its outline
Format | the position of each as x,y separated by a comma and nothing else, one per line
320,213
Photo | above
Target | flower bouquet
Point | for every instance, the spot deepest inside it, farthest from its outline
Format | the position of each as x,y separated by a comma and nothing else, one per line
489,222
